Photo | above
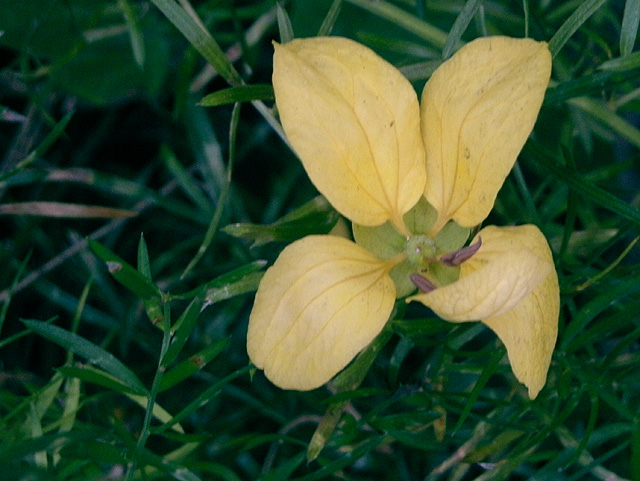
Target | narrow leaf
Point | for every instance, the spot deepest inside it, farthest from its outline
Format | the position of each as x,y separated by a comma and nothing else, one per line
135,31
622,64
397,16
629,30
247,284
201,40
587,190
573,23
144,266
242,93
330,20
182,330
284,24
94,375
459,26
190,366
39,151
90,351
608,117
125,273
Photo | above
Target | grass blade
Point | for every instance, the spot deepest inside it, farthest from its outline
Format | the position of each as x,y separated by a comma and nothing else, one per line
284,24
629,30
201,40
573,23
459,26
90,351
243,93
397,16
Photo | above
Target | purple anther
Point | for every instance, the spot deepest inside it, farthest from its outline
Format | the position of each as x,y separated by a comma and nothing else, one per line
422,283
455,258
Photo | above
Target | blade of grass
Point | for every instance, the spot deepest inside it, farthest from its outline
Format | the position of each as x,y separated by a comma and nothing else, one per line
573,23
224,194
459,26
93,375
90,351
186,181
135,32
629,30
5,303
591,192
39,151
242,93
202,399
284,24
182,330
200,39
608,117
404,20
193,364
330,20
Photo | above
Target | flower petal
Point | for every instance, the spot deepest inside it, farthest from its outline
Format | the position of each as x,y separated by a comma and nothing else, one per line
507,268
478,109
529,332
354,121
511,284
323,301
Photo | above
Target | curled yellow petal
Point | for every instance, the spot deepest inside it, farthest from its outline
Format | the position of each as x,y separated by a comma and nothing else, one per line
512,286
354,121
322,302
505,270
529,330
477,111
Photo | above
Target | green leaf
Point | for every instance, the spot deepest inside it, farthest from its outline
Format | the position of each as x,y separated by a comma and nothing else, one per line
94,375
608,117
39,151
201,40
243,93
135,32
622,64
248,283
133,280
190,366
125,273
573,23
315,217
91,352
347,380
144,266
158,412
330,20
182,330
459,26
589,191
403,19
587,85
284,24
629,30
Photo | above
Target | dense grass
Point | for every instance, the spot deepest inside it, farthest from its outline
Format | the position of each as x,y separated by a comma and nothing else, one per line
142,372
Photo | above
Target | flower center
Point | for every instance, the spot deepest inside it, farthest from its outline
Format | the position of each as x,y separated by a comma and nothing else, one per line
420,250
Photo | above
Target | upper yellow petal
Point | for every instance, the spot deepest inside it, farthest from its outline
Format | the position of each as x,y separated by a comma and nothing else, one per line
322,302
505,270
354,121
478,108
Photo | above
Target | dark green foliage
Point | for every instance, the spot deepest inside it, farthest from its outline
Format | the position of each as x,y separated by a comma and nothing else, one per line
124,357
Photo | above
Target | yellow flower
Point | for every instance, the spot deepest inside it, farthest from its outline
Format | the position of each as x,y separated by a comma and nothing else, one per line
413,179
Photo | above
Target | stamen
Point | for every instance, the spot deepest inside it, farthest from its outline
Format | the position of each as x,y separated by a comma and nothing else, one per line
454,259
422,283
